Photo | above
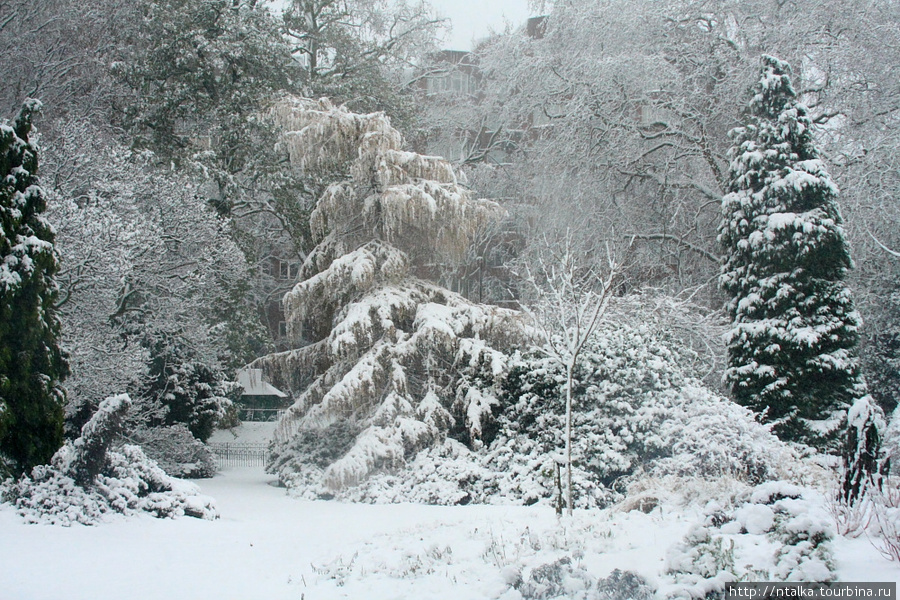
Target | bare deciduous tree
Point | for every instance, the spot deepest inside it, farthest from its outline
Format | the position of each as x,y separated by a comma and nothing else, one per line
569,299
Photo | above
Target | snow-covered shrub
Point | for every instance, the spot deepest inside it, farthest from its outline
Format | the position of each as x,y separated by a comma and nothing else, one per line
637,418
773,532
121,480
559,579
636,414
620,585
176,451
705,435
90,450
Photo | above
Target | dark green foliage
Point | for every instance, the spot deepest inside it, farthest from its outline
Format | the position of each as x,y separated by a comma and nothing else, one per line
791,350
31,363
185,390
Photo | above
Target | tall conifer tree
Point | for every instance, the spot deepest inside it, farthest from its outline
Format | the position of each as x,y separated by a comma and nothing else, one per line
31,363
791,350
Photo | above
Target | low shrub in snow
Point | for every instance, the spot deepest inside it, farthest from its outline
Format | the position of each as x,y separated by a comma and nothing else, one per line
176,451
637,416
87,480
773,532
637,412
486,555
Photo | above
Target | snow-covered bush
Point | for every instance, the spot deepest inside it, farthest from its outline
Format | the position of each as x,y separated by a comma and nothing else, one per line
86,480
773,532
638,417
558,579
89,452
636,414
624,584
176,451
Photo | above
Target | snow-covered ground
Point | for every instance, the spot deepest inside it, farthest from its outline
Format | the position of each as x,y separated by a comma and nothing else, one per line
249,432
269,546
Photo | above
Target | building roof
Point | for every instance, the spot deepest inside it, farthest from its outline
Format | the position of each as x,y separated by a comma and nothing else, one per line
252,382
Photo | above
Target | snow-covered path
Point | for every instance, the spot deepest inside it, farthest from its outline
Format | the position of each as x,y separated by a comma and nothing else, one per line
263,546
268,546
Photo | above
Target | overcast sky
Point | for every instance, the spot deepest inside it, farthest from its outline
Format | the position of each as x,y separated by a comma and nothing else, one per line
473,19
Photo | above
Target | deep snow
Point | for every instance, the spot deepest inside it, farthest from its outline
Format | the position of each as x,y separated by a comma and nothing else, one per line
269,546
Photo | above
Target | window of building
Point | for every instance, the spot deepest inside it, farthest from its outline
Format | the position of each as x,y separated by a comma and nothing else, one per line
456,82
289,270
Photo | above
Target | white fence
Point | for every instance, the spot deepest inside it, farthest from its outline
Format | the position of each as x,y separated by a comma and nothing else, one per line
239,454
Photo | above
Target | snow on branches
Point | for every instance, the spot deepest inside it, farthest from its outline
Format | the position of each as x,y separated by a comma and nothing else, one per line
386,363
792,344
410,201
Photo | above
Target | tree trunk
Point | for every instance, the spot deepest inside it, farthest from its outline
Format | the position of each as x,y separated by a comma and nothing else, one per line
569,369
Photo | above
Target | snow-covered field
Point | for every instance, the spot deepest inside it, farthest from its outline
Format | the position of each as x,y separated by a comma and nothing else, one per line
269,546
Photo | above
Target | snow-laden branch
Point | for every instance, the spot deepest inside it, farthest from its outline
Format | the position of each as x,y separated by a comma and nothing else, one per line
893,253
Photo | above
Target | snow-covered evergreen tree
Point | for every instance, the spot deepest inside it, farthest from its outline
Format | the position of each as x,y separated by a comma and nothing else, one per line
792,345
31,364
185,389
385,362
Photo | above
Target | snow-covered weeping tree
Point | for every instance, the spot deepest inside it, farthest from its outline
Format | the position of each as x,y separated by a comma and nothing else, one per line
385,362
791,349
